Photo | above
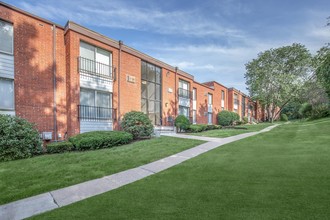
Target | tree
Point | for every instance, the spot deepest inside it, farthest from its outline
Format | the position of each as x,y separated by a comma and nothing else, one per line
322,64
277,74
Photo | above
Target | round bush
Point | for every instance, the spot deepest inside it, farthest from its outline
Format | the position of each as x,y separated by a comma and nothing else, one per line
284,117
227,118
138,124
19,139
245,120
181,123
100,139
224,118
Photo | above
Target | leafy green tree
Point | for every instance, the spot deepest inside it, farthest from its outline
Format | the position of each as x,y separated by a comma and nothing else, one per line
278,74
322,64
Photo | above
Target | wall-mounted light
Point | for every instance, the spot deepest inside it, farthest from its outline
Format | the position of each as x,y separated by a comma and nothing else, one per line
168,73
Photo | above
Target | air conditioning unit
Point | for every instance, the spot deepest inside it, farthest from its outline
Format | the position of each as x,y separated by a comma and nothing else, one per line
47,136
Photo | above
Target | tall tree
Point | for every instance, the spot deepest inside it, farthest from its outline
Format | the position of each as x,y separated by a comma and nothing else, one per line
322,65
278,74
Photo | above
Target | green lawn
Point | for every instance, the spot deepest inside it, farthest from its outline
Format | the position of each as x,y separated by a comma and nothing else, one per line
28,177
281,174
222,133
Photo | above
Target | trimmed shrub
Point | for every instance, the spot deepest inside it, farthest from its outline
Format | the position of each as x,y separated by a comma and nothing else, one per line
211,127
196,128
19,139
284,117
202,127
59,147
138,124
235,117
224,118
227,118
100,139
245,120
181,123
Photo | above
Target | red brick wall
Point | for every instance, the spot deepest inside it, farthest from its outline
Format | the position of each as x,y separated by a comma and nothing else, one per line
130,93
169,97
72,40
33,60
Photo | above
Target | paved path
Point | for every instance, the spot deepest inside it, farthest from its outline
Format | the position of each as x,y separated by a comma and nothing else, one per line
58,198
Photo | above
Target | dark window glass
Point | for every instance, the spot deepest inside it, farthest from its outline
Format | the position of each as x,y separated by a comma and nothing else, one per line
144,105
158,92
151,73
158,75
151,91
144,70
144,89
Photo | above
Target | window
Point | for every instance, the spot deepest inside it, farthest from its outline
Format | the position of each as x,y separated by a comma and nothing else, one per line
184,111
194,117
223,95
6,37
184,89
94,60
194,94
236,99
209,118
151,91
210,99
243,106
7,94
95,104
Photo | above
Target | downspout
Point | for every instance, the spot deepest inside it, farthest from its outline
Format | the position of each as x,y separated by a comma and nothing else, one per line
119,71
175,89
54,81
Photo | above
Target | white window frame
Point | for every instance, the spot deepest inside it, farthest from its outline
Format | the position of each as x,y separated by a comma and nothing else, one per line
12,46
9,109
95,96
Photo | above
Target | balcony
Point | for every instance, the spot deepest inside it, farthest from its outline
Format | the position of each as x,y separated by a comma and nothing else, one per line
91,68
184,93
86,112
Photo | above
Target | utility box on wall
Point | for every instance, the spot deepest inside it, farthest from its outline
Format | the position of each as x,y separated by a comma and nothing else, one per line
47,136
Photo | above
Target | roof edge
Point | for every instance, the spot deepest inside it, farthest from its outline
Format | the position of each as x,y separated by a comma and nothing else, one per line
29,14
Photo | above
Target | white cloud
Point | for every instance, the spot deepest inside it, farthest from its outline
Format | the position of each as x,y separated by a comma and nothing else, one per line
118,14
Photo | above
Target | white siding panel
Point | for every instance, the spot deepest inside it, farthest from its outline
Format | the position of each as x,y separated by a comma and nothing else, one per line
184,102
86,126
6,66
96,83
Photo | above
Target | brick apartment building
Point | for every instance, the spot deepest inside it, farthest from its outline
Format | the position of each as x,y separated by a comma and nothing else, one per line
69,80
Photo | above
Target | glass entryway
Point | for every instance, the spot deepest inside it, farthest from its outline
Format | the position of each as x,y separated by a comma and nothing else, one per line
151,91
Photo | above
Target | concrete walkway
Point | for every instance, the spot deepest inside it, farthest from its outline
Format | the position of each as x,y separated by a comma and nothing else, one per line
58,198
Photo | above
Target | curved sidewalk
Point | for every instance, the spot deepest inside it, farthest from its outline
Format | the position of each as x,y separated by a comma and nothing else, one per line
58,198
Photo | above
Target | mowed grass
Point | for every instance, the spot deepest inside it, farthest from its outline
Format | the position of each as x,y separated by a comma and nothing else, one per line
281,174
222,133
28,177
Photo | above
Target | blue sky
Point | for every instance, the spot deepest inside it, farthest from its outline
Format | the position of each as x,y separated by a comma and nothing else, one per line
210,39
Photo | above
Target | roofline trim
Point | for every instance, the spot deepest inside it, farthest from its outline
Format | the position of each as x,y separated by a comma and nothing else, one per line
29,14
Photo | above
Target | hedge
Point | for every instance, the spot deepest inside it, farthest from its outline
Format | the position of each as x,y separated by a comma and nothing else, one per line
59,147
100,139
